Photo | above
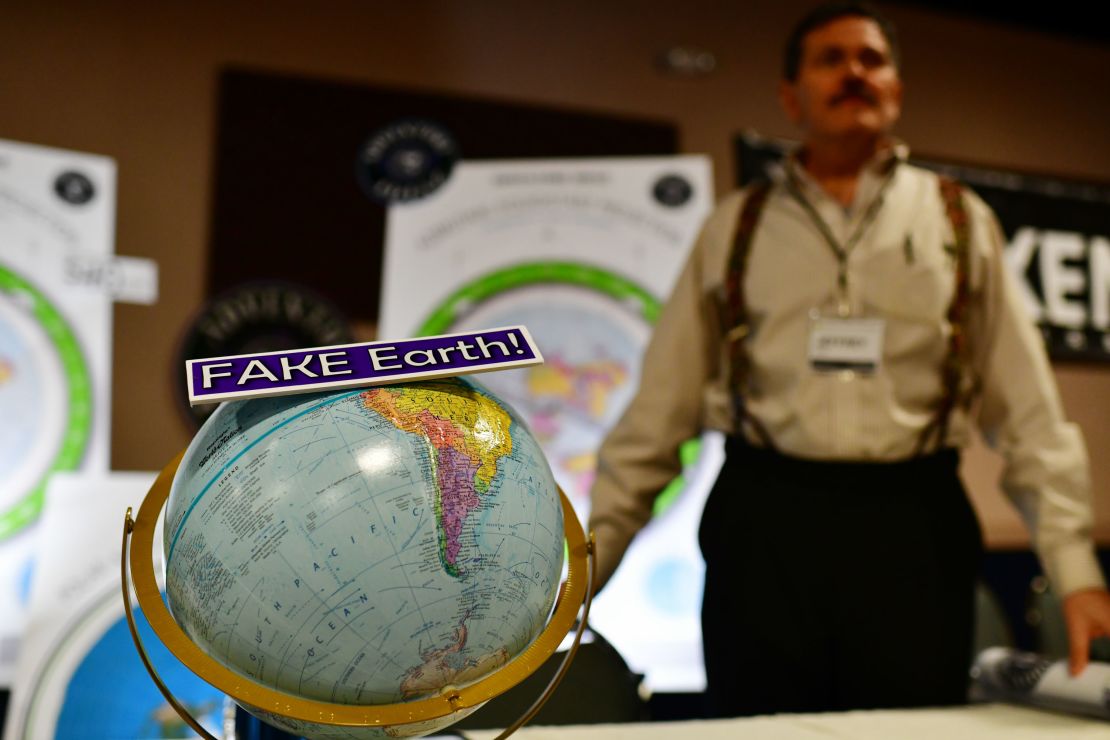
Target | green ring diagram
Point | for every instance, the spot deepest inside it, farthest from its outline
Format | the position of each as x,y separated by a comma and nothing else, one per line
620,289
78,424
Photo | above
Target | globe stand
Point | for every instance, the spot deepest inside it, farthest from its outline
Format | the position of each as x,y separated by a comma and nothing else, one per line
576,592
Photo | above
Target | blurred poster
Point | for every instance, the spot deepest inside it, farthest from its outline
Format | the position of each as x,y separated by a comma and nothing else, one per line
57,211
583,253
1057,243
79,672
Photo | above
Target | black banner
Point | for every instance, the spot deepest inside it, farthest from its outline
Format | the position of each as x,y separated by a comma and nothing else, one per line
1057,243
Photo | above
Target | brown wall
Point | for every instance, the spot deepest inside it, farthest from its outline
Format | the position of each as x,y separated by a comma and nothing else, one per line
136,81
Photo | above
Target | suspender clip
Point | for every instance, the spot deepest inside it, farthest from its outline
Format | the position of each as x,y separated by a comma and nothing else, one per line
738,333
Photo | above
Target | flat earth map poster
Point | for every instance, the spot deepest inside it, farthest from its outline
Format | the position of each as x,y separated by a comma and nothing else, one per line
79,673
583,253
57,210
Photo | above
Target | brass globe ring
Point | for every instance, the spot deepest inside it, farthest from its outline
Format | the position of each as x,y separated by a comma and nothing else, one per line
576,591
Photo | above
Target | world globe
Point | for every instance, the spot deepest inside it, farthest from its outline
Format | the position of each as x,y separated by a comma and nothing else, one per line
365,547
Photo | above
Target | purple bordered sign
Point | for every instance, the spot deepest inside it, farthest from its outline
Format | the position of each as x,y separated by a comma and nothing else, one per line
216,379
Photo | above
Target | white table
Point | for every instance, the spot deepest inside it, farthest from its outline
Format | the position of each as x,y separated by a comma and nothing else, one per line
978,722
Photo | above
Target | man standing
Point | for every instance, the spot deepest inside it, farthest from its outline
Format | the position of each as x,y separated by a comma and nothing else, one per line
846,325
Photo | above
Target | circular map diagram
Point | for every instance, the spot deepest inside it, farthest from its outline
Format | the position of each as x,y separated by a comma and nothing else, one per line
93,684
45,400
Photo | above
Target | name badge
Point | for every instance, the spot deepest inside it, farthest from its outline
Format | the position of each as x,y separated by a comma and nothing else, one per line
846,344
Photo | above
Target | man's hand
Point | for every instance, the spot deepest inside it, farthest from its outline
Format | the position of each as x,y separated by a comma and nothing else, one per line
1087,615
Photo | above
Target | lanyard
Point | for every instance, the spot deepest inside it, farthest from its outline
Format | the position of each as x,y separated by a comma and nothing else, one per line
841,251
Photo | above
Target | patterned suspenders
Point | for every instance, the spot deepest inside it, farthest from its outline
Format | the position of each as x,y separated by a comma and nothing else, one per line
956,359
951,193
736,309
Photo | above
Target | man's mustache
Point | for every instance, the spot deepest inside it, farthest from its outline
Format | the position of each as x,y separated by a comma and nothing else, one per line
852,92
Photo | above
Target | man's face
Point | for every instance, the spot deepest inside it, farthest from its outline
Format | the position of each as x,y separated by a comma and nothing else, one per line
847,83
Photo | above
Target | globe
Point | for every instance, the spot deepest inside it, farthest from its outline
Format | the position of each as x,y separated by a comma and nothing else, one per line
364,547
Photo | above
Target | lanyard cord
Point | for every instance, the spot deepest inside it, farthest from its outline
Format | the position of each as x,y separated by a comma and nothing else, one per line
841,251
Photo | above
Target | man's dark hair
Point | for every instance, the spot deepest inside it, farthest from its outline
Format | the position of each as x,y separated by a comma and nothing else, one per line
825,14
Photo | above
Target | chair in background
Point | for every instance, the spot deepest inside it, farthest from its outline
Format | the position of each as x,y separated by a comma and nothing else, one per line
992,628
598,688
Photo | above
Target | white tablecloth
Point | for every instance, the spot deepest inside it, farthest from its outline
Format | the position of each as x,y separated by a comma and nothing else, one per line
978,722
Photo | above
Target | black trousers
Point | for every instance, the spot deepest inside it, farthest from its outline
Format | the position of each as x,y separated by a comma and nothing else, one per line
832,586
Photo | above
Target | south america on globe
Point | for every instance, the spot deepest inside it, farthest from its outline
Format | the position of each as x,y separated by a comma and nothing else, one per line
364,547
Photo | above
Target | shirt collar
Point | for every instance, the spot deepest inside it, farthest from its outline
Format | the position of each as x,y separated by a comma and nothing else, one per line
871,176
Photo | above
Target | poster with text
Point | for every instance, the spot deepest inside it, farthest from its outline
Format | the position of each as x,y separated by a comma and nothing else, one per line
583,253
57,211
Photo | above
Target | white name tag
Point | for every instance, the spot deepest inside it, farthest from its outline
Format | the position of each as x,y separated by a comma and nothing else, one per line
846,344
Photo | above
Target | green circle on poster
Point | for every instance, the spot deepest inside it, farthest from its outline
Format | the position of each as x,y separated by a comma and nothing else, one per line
45,400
